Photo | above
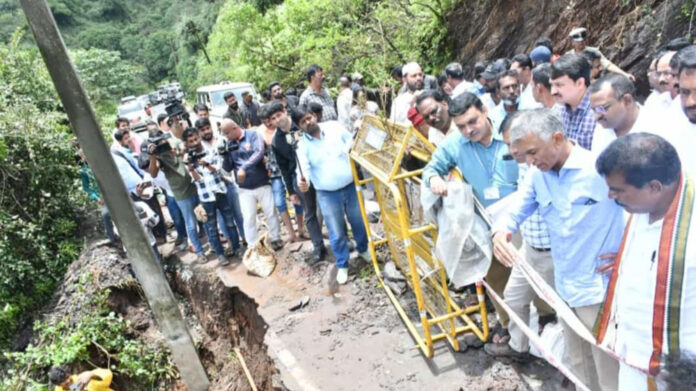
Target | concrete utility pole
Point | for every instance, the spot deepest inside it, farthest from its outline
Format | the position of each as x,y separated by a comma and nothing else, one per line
81,115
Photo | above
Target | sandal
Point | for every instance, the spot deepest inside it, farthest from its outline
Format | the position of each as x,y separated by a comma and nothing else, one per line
500,334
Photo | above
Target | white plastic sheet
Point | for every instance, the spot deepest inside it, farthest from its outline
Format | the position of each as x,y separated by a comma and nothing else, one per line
464,246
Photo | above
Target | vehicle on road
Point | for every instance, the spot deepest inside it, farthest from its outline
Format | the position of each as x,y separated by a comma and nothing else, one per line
134,111
213,97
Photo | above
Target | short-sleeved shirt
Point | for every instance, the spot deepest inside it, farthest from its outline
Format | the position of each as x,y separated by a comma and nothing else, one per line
323,98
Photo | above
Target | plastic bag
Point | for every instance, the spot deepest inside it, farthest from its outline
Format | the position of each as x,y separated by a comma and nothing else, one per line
463,245
260,259
552,338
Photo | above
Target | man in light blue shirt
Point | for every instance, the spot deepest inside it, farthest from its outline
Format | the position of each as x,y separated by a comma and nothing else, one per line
324,162
584,225
131,174
475,151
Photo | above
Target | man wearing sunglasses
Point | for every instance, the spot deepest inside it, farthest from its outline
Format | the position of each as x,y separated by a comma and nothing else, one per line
612,98
578,36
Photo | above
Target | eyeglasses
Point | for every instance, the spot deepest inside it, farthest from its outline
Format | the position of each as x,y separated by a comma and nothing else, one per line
602,110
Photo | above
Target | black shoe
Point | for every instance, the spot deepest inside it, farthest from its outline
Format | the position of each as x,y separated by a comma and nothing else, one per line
277,245
318,254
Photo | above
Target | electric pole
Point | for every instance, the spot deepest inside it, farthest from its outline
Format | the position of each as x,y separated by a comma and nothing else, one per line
79,109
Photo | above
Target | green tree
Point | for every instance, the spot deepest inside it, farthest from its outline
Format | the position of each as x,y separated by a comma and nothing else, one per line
38,198
106,75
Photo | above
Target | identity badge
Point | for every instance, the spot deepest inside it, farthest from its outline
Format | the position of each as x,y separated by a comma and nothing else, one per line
491,193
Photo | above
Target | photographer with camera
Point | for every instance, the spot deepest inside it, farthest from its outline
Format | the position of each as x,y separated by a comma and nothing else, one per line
284,145
131,174
166,153
95,380
217,144
204,166
243,155
155,135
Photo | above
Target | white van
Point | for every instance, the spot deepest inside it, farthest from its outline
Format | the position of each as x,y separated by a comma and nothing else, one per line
213,97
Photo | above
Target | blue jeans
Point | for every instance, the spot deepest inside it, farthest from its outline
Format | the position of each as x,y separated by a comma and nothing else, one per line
220,206
336,206
233,200
177,217
108,224
279,199
186,206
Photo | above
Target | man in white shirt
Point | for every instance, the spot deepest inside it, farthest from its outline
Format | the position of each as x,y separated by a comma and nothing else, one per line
648,313
522,64
541,85
344,101
455,78
681,125
612,98
666,79
413,76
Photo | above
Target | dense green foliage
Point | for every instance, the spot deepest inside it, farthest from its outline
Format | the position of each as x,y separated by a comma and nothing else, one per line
150,34
41,191
38,178
95,331
341,35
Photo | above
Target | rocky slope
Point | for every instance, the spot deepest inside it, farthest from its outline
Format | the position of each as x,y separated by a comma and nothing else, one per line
627,31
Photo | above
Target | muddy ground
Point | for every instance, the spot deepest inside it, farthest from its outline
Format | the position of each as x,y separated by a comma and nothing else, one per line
345,338
351,338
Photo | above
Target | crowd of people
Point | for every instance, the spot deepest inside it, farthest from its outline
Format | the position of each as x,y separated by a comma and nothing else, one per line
597,187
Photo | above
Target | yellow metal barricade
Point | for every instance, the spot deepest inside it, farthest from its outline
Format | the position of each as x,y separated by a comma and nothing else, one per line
380,148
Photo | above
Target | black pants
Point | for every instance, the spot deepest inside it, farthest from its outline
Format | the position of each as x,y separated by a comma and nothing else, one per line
311,212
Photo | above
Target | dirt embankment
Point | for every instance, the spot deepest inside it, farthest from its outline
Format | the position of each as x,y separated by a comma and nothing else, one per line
219,318
627,31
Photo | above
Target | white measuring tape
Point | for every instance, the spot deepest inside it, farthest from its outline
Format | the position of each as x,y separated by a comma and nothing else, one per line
535,340
548,294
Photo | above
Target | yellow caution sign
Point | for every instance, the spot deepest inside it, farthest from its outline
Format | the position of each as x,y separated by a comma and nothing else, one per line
391,154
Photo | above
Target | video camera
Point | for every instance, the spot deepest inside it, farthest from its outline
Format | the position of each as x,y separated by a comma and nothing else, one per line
175,108
194,156
228,147
161,145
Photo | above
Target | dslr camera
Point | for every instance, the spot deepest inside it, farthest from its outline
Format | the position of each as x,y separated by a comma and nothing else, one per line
194,156
160,142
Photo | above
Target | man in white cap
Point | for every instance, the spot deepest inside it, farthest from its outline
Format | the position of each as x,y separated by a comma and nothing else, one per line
578,36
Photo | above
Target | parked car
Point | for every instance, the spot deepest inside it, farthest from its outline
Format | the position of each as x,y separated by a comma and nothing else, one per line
134,111
213,97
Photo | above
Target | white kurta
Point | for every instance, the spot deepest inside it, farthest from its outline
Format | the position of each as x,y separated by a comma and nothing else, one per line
634,301
603,136
400,107
679,131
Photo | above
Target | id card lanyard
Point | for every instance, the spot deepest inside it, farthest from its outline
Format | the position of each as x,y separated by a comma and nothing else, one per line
491,192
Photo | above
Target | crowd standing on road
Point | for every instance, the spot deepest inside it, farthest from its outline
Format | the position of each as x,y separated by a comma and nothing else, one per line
598,189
